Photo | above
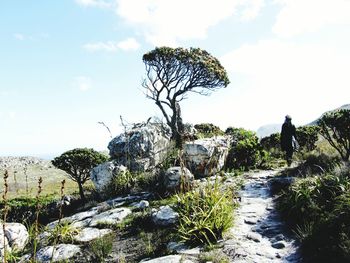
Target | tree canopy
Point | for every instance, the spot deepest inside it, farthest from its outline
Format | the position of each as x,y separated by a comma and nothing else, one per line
335,128
174,72
78,163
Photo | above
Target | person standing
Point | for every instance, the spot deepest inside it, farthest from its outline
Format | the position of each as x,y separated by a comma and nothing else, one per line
287,134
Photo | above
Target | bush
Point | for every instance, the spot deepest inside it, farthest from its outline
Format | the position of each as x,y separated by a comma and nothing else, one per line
272,144
317,163
63,232
102,247
245,150
335,128
204,214
207,130
307,137
318,209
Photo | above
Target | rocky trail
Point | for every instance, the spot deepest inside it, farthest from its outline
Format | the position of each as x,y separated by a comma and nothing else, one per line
259,234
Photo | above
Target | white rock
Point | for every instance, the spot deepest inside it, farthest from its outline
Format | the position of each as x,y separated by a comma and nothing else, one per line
112,216
206,157
141,205
165,216
57,253
91,233
166,259
17,235
3,239
175,176
103,175
142,147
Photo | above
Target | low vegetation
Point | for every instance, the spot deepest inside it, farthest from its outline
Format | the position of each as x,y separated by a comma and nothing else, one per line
205,214
317,207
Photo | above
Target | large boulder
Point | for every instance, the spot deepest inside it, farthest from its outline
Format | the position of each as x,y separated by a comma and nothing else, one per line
103,175
15,237
205,157
177,176
142,147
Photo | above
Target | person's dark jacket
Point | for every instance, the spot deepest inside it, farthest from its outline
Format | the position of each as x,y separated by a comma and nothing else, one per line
287,133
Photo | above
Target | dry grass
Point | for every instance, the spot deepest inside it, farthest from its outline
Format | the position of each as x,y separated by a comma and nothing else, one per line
51,184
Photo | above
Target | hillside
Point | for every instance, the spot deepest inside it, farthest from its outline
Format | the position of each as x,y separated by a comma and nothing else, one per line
24,173
268,129
346,106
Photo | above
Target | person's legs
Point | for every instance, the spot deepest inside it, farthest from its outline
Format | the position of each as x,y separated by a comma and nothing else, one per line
289,155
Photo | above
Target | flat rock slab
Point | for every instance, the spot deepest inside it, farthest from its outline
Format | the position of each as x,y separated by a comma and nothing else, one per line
90,233
166,259
112,216
56,253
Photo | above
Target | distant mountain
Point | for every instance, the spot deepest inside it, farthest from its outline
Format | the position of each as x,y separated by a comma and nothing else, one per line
346,106
268,129
20,162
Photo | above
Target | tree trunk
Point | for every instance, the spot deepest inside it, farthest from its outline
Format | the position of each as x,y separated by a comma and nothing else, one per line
81,191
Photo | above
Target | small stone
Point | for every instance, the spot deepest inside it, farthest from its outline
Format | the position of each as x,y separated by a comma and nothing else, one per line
278,245
141,205
165,216
176,247
250,221
279,237
254,236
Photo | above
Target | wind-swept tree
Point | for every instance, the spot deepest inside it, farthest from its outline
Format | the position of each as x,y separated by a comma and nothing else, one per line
174,72
78,163
335,128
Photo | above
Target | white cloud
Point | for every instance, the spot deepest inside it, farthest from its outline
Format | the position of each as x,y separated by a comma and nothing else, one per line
278,77
164,22
303,16
19,36
108,46
252,9
96,3
83,83
129,44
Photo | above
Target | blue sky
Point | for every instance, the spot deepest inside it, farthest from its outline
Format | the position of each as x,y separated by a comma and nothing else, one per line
67,65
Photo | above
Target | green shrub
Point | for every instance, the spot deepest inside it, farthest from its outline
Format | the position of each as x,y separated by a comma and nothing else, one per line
63,232
245,150
272,144
123,183
335,128
307,137
207,130
204,214
318,209
320,163
102,247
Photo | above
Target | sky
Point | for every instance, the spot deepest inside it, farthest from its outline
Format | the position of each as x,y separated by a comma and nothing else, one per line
67,65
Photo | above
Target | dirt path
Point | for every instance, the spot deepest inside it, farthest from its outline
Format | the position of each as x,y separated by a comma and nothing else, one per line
259,234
